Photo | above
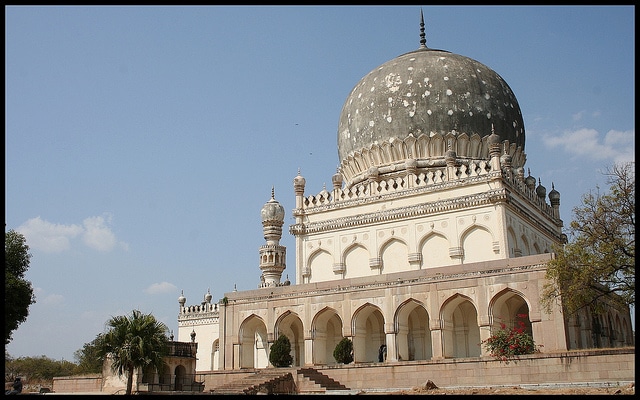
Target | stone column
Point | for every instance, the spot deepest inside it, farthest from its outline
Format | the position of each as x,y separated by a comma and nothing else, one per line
308,351
436,339
392,351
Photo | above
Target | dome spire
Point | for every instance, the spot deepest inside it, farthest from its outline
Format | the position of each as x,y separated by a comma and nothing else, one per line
423,40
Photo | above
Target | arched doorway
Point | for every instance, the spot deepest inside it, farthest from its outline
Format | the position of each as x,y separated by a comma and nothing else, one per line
290,325
254,348
368,333
181,378
460,333
327,333
413,336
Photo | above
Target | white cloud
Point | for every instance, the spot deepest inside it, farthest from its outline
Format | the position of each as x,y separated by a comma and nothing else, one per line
616,146
55,238
578,116
48,237
97,234
161,288
53,299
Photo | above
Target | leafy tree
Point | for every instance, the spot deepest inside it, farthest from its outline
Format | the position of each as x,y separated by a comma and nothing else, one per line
597,264
136,341
88,357
343,353
18,291
37,369
280,354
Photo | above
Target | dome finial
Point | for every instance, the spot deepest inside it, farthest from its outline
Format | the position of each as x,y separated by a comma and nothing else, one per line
273,193
423,40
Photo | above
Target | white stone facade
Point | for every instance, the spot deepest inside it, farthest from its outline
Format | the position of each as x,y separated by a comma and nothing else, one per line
429,238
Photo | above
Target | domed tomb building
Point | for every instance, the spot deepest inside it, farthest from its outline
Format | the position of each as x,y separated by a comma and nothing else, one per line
431,235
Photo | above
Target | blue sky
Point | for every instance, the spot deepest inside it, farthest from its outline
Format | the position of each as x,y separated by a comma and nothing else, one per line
142,142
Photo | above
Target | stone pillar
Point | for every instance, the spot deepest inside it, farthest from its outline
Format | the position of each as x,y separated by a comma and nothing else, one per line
392,350
485,333
308,351
436,339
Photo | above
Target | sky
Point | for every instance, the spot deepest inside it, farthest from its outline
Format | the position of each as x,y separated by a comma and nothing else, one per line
141,142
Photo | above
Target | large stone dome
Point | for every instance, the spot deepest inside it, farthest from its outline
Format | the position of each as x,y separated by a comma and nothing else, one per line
418,106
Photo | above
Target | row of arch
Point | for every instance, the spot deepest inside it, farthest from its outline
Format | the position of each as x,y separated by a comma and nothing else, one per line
412,334
476,244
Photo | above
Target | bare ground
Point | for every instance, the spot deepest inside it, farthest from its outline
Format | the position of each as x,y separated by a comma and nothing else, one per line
517,390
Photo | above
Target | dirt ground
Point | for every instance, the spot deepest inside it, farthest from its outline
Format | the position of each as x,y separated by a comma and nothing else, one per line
517,390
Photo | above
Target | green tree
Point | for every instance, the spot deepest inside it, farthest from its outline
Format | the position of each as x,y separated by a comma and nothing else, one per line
134,341
18,292
280,354
597,264
89,358
343,353
37,369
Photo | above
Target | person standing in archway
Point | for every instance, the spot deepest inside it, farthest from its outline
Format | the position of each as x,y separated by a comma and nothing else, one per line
382,353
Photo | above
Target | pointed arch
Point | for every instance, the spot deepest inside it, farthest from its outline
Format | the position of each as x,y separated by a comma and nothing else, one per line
327,331
460,329
367,326
215,355
413,336
290,325
526,250
477,244
395,256
356,261
435,250
536,248
511,308
181,379
254,347
512,243
321,266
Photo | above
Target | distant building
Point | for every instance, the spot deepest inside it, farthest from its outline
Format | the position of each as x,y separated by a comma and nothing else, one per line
431,235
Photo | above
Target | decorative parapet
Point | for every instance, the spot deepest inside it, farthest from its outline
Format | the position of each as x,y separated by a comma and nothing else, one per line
517,183
206,311
364,190
202,308
402,212
435,179
182,349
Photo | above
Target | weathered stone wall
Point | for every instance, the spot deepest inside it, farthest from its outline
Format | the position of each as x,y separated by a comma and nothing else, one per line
615,365
78,384
572,367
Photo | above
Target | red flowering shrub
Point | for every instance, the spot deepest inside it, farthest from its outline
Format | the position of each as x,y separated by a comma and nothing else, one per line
505,343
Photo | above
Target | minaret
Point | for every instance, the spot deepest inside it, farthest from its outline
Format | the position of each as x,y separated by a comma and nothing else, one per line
272,255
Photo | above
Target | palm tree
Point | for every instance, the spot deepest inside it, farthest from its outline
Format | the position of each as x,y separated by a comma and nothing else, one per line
135,341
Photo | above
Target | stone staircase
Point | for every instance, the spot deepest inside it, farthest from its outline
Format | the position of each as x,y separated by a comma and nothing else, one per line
281,381
269,381
313,381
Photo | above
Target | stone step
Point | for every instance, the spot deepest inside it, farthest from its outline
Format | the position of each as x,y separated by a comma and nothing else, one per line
280,381
321,379
262,381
